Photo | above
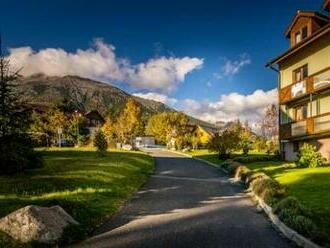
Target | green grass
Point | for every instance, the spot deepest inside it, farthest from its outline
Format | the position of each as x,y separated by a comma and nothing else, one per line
213,156
89,187
309,185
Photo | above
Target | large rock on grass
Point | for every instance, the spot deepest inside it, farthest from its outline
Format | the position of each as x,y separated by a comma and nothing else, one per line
40,224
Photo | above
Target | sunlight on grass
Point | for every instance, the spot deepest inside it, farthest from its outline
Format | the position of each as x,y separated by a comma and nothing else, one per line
87,186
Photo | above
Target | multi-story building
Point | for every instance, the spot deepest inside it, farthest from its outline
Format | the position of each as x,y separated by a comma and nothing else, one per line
304,84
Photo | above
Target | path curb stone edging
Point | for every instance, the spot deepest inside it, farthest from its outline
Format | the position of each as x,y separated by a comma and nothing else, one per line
289,233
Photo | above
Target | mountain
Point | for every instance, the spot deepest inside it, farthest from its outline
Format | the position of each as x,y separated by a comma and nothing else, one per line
84,94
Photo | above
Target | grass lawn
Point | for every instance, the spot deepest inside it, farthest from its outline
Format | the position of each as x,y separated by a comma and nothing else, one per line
310,185
213,156
87,186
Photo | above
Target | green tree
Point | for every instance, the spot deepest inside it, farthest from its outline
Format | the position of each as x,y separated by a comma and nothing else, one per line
100,142
16,150
225,143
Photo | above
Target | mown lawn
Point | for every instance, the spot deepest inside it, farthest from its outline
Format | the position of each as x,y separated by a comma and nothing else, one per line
310,185
213,156
87,186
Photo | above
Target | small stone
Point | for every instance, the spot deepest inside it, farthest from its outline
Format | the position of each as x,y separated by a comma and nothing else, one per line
34,223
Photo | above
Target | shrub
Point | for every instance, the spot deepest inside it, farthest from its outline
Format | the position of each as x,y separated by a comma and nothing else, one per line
308,156
17,155
100,142
296,216
267,189
251,159
242,172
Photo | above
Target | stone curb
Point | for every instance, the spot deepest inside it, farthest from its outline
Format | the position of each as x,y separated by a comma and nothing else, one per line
289,233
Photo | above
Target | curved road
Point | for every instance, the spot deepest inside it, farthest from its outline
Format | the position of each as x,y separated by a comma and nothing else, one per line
187,204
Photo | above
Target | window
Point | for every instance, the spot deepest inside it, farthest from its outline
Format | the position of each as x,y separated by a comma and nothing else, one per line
301,113
304,33
300,74
297,37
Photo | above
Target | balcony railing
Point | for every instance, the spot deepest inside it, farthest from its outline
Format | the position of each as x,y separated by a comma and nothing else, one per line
299,128
314,83
311,126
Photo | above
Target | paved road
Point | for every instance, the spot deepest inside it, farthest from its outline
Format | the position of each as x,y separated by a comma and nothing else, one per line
187,204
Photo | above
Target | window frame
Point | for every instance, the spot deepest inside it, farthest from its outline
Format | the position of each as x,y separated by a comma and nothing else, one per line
302,72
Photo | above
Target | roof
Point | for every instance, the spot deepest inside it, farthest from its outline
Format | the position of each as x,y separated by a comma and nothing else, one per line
310,14
319,33
209,129
91,114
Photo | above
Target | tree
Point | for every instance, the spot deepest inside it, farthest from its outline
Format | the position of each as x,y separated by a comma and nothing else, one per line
109,130
246,139
100,142
169,125
225,143
129,123
16,151
269,123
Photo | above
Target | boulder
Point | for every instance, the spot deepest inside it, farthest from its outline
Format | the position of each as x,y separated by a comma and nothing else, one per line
34,223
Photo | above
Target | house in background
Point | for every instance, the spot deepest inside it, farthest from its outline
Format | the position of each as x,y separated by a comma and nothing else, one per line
304,84
146,141
94,121
205,133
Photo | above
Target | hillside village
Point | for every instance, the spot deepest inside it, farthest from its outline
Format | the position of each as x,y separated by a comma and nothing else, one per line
86,162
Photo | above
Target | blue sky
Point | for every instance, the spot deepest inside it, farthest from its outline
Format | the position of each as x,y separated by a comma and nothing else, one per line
232,39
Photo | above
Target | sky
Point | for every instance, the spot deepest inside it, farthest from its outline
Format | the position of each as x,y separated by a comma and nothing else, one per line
206,58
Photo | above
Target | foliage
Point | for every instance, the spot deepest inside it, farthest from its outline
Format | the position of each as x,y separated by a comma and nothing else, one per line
87,186
260,143
308,156
269,123
16,152
129,123
250,159
296,216
168,125
225,143
246,136
109,130
100,142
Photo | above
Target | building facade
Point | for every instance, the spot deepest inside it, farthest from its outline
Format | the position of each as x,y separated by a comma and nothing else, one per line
304,84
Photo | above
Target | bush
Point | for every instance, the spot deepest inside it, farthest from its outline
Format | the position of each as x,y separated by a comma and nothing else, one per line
308,156
296,216
251,159
100,142
242,172
17,155
266,188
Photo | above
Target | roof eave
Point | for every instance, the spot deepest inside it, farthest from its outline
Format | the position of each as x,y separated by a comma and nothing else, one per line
320,33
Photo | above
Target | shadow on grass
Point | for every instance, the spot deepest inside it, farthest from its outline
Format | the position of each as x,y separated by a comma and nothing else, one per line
87,186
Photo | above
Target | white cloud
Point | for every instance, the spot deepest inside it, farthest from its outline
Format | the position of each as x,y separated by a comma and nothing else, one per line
163,73
157,97
230,107
100,62
232,67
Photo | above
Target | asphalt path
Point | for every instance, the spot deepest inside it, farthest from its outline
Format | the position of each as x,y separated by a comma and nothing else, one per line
187,203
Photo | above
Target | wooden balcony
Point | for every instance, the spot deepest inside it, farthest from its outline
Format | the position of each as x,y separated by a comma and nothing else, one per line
310,126
315,83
